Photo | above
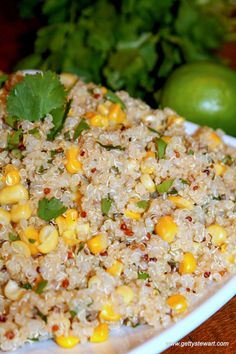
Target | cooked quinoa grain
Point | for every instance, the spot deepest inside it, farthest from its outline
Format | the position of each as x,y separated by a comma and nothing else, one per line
123,218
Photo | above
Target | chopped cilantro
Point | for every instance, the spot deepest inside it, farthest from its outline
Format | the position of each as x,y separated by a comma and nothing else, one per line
35,132
165,186
190,152
173,191
80,127
161,148
227,160
73,313
14,139
3,79
49,209
111,96
106,205
143,275
31,240
41,286
111,147
41,170
153,130
67,136
34,339
42,316
58,116
185,181
26,286
35,96
81,247
11,121
13,237
17,153
143,204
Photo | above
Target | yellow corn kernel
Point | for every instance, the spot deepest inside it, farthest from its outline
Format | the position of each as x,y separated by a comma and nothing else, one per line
21,247
61,223
148,183
116,269
147,163
94,281
100,333
103,109
188,264
5,217
73,165
13,194
69,237
126,292
229,257
178,303
11,176
166,228
103,90
20,212
218,234
174,120
71,215
48,237
108,314
116,114
30,236
132,215
99,121
220,169
12,290
98,243
223,248
67,342
181,202
166,139
90,115
214,141
68,79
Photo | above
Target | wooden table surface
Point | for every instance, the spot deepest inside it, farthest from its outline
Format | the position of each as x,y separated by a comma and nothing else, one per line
220,327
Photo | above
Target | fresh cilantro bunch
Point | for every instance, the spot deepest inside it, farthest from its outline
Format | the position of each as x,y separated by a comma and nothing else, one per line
131,45
36,96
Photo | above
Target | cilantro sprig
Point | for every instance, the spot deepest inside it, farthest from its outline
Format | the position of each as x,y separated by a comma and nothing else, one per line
35,96
106,205
49,209
83,125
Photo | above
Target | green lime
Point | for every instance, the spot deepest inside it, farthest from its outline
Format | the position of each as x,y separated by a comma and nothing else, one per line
204,93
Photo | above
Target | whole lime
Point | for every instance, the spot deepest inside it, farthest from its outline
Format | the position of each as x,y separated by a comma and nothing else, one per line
204,93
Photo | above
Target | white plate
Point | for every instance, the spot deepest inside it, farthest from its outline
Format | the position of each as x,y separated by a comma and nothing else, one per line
143,339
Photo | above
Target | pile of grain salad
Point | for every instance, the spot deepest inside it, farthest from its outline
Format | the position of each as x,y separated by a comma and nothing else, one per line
110,213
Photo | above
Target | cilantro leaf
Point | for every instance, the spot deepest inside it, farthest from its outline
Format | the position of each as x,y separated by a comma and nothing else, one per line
49,209
35,96
153,130
164,186
106,205
14,139
41,286
161,148
143,275
143,204
111,96
3,79
111,147
58,116
11,121
13,237
80,127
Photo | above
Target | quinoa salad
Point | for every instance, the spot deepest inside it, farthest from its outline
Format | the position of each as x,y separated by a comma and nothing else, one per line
110,213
